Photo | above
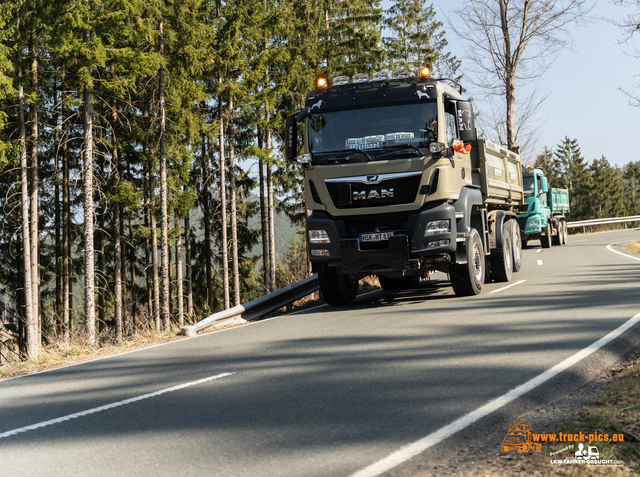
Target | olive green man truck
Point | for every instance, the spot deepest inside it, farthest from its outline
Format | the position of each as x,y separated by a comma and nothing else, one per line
397,184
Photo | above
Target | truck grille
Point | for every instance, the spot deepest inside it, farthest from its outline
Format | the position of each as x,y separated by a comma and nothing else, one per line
374,190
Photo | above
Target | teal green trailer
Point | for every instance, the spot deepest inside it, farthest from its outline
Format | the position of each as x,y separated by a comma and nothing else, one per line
542,216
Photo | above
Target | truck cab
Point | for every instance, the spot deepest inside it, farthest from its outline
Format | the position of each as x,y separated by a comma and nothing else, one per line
397,184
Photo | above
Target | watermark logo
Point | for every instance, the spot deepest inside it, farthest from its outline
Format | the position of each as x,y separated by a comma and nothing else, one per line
591,454
519,437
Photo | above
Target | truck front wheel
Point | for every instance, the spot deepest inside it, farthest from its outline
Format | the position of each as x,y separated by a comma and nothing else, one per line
467,279
337,289
545,239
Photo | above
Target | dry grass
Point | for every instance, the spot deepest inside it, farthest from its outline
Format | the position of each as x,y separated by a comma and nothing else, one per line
633,247
56,353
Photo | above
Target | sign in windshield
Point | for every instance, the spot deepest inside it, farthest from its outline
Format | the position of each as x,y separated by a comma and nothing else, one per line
373,128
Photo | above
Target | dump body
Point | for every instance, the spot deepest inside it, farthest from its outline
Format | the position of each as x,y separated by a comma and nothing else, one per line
381,199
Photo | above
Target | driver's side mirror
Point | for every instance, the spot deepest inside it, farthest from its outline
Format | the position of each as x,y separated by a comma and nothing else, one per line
291,138
466,125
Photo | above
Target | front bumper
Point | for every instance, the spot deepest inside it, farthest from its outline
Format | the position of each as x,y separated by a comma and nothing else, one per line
400,253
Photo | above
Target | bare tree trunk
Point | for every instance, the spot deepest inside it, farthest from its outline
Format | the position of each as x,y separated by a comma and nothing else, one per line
102,281
223,204
187,245
272,234
147,257
35,253
265,227
33,345
179,274
207,224
164,217
117,253
58,218
154,249
233,211
89,273
66,227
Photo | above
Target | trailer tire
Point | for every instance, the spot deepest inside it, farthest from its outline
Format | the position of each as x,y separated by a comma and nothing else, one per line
337,289
400,283
557,238
516,242
545,239
501,259
467,278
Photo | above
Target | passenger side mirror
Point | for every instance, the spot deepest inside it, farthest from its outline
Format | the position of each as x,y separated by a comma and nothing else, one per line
466,125
291,138
545,185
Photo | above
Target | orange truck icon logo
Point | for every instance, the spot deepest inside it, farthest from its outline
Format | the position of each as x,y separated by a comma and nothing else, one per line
519,437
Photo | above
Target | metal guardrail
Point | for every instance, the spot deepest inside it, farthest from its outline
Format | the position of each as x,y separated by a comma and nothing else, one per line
613,220
256,308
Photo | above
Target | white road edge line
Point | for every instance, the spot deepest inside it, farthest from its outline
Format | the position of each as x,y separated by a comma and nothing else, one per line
465,421
581,240
110,406
621,253
539,262
508,286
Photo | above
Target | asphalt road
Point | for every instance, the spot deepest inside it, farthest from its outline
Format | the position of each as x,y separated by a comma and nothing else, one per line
326,392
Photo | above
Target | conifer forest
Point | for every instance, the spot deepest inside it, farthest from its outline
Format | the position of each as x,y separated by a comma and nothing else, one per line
141,169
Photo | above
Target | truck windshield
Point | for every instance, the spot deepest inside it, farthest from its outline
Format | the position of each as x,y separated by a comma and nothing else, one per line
528,185
374,128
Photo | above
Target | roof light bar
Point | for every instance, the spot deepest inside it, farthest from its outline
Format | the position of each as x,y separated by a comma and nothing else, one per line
402,74
338,80
322,82
360,78
425,72
381,75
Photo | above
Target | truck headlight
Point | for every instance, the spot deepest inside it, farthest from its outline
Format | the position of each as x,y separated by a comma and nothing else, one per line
318,236
438,243
534,223
323,252
304,159
437,227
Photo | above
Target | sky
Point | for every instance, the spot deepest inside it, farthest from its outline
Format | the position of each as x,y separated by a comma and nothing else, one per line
585,102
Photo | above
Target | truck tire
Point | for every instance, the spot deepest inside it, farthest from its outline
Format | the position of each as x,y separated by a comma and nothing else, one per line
565,233
467,279
337,289
400,283
501,259
557,238
516,242
545,239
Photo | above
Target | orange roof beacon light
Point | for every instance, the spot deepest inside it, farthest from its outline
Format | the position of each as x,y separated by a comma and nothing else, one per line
322,82
528,166
424,72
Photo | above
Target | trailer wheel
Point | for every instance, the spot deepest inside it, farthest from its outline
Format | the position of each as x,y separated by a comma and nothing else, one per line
400,283
501,259
545,239
467,279
337,289
516,241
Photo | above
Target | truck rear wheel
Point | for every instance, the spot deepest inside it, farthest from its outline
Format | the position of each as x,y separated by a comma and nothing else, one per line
545,239
337,289
557,238
501,258
565,234
467,279
400,283
516,242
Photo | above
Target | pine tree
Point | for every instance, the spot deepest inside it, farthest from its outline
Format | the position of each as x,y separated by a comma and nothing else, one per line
574,175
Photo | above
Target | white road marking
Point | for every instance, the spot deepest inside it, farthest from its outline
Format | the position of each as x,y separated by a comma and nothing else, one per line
110,406
539,262
621,253
539,250
582,240
508,286
465,421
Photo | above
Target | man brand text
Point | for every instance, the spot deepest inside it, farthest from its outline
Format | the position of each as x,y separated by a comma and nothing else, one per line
373,194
